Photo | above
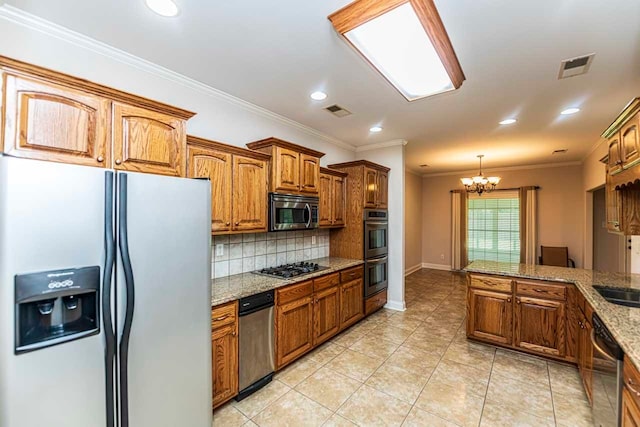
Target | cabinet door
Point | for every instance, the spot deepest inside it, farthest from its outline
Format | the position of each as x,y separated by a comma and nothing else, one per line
540,326
217,166
224,347
309,174
615,155
339,201
326,314
489,315
383,192
587,358
370,187
147,141
325,213
49,122
351,303
294,330
630,412
249,194
612,205
286,170
629,140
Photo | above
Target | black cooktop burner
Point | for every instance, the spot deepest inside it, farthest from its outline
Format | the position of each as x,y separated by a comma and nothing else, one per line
291,270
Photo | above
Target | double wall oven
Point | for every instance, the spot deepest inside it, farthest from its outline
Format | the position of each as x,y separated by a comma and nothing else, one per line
376,252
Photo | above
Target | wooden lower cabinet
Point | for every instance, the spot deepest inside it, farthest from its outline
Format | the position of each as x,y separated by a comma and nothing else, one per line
351,303
630,410
224,349
540,325
585,354
375,302
326,314
294,322
489,316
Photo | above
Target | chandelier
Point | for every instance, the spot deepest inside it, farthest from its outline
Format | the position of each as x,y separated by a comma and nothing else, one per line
479,183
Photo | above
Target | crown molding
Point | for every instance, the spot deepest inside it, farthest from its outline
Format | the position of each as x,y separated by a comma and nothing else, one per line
392,143
33,22
593,148
508,168
412,172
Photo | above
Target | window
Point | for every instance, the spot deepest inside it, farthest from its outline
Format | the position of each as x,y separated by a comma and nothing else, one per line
493,227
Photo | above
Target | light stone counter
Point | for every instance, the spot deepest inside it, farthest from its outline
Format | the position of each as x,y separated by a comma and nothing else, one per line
622,321
238,286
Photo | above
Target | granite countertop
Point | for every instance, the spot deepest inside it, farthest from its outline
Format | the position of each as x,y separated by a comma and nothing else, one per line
238,286
622,321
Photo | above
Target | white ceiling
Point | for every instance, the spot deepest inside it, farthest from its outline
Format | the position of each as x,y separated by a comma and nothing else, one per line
275,53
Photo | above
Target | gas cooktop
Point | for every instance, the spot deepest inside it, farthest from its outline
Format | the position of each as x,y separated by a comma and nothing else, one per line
291,270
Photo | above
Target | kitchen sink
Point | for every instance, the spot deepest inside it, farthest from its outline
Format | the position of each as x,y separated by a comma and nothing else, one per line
628,297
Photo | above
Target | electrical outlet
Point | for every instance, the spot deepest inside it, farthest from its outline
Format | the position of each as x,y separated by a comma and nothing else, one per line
219,249
313,240
442,257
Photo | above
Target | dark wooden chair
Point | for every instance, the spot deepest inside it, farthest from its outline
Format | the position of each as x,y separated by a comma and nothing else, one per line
556,255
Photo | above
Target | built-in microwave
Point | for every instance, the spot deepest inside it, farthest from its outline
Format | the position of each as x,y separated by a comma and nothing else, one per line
289,212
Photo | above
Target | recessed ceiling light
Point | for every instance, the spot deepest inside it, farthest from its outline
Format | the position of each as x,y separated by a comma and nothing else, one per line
318,96
569,111
163,7
508,121
375,129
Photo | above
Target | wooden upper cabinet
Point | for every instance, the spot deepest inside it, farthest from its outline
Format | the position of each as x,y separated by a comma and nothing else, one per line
294,169
325,211
217,166
489,315
615,155
339,198
612,205
540,325
383,190
630,142
370,187
249,194
147,141
46,121
309,174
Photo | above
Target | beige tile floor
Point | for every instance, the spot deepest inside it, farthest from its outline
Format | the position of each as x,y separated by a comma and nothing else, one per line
415,368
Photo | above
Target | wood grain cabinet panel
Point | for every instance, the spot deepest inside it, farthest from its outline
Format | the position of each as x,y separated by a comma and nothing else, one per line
489,315
147,141
217,166
287,170
370,187
614,161
339,200
585,351
630,142
351,302
46,121
325,213
249,194
326,314
224,349
630,410
332,198
309,174
540,325
612,203
294,329
383,190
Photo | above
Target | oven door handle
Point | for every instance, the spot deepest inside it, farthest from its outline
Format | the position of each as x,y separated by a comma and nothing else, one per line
604,353
308,208
377,260
376,223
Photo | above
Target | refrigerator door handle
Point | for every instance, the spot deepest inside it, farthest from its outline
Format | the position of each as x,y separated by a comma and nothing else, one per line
107,321
130,296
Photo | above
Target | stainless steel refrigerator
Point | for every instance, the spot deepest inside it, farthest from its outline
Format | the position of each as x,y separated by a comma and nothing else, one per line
104,298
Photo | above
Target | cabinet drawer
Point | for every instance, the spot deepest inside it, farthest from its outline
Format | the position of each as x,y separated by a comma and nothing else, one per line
350,274
631,378
294,292
326,281
375,302
490,282
223,315
541,290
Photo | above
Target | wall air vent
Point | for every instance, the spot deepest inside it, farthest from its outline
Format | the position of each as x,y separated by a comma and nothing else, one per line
561,151
575,66
338,111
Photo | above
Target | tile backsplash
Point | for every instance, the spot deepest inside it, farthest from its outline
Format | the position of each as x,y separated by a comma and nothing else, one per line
248,252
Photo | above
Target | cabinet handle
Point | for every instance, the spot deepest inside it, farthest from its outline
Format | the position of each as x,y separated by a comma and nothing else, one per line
118,161
237,223
218,319
233,333
100,159
517,300
228,223
508,299
629,383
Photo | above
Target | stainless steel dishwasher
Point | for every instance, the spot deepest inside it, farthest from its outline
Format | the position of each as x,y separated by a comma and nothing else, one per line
256,351
607,376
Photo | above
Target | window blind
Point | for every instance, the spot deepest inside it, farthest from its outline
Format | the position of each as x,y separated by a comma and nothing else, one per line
493,227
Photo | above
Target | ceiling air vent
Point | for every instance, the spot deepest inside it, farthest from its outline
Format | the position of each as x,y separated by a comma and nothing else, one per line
561,151
575,66
338,111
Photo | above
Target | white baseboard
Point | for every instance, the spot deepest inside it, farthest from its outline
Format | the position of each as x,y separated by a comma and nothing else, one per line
396,305
445,267
410,270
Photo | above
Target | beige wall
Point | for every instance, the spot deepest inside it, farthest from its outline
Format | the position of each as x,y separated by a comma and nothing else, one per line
593,176
412,220
560,209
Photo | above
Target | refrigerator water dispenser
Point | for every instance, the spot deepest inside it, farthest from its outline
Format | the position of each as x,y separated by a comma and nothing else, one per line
54,307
